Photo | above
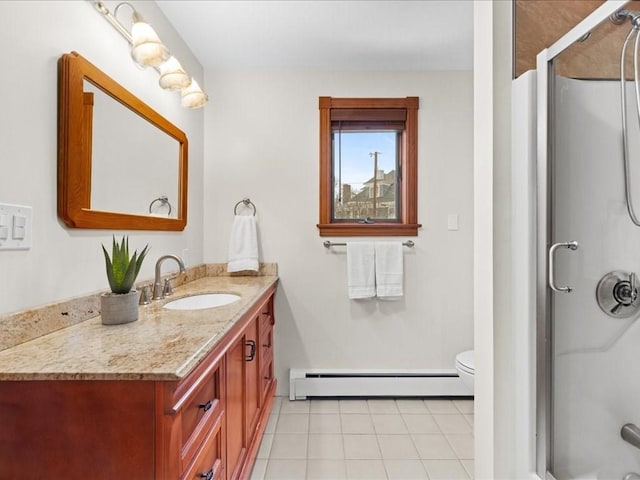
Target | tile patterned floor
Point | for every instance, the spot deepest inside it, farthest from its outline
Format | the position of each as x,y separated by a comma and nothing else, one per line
403,439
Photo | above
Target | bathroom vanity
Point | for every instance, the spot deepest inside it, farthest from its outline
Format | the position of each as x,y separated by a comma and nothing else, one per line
176,395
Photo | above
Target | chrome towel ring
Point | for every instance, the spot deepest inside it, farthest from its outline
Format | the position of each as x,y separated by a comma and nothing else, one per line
247,203
164,201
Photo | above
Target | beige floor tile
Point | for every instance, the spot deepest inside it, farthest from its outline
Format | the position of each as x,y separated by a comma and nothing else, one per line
366,470
325,406
441,406
452,423
469,466
464,406
469,419
326,469
445,470
288,446
361,447
356,423
325,447
265,446
462,444
293,423
277,402
325,423
411,406
294,406
433,447
382,406
389,424
405,470
421,423
286,469
259,469
354,406
271,423
397,447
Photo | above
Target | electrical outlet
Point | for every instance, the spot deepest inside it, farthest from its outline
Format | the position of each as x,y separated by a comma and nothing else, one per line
453,222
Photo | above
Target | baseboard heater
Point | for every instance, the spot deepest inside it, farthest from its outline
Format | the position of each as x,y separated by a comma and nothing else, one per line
305,383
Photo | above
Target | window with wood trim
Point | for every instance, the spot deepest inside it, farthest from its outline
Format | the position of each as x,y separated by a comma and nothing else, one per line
368,166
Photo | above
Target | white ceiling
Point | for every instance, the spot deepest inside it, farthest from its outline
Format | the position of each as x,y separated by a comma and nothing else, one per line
326,34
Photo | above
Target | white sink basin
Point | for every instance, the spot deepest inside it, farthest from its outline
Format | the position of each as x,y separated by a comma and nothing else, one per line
205,300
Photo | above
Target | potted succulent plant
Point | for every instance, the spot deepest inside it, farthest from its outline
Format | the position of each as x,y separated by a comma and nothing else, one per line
121,304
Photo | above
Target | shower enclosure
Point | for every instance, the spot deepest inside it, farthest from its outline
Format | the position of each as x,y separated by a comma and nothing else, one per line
588,250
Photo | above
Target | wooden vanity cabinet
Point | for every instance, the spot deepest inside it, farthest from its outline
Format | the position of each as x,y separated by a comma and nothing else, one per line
249,399
206,426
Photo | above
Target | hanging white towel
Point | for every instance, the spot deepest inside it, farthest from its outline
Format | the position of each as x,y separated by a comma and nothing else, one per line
389,269
243,244
361,270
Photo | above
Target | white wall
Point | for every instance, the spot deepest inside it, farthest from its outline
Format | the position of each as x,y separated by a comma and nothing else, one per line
261,141
64,262
483,159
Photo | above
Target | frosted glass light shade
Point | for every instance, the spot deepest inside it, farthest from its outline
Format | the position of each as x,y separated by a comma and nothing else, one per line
147,50
173,76
193,96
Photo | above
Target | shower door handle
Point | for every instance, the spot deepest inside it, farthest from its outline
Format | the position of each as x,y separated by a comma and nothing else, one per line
552,252
630,433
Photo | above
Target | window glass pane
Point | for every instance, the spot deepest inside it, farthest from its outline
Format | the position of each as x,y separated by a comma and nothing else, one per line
365,165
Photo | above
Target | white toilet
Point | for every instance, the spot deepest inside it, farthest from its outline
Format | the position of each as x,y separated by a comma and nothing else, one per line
466,368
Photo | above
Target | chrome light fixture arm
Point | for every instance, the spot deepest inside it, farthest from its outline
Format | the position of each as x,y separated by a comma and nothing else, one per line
111,18
148,50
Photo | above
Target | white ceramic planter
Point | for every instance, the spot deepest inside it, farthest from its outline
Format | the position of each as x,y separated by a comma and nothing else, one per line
118,308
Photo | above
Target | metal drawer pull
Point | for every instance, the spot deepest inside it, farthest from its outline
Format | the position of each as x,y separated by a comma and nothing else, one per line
252,353
206,406
552,252
208,475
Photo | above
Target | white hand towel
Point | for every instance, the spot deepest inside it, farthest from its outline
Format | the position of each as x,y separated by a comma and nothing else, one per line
389,269
243,244
361,270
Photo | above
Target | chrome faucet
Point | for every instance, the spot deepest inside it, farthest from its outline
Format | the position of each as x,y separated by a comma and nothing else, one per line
158,293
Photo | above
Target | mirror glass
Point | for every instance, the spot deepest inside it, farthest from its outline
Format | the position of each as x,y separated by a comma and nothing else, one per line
121,165
125,149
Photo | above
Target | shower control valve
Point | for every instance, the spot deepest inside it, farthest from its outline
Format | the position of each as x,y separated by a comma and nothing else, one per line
617,294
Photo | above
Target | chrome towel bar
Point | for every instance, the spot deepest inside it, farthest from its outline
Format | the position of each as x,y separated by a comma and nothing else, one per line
328,244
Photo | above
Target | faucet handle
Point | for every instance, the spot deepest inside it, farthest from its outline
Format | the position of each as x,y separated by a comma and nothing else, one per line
168,289
145,292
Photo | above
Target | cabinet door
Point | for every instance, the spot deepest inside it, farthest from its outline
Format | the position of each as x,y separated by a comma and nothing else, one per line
253,382
235,407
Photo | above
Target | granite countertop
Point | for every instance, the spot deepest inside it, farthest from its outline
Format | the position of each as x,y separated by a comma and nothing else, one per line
161,345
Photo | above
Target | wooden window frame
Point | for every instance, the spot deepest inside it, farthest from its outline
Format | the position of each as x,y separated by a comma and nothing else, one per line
408,189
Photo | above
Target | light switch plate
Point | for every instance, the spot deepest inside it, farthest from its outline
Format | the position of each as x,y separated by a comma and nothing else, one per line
453,222
17,220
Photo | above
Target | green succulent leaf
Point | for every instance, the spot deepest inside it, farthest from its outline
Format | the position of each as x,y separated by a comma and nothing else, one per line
122,270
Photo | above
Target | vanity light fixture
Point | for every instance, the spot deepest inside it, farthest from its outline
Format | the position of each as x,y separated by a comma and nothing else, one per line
147,50
173,76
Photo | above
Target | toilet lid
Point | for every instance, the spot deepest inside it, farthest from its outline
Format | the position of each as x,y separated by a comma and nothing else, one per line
465,360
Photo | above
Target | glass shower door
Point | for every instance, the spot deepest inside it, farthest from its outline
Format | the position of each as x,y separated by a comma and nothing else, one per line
594,330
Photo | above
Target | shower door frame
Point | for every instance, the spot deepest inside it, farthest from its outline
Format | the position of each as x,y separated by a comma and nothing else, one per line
543,315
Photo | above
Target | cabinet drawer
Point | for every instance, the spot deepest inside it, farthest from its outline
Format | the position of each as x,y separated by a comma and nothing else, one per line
267,374
266,341
208,462
266,315
198,413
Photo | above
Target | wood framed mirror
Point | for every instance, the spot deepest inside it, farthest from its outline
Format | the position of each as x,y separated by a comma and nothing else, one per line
121,165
